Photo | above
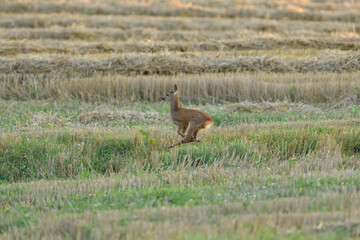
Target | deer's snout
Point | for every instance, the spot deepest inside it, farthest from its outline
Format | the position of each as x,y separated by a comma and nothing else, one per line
163,98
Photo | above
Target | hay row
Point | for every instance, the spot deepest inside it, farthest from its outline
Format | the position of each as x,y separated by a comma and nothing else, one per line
309,87
170,63
183,11
172,23
126,22
141,34
81,47
113,34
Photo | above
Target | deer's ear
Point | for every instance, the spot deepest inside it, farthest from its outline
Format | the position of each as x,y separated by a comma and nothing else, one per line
175,88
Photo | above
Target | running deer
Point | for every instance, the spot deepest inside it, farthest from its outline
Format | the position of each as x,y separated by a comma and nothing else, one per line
190,121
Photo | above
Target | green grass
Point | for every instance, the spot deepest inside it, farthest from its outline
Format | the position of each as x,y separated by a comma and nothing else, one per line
47,114
19,209
68,153
257,162
271,234
42,140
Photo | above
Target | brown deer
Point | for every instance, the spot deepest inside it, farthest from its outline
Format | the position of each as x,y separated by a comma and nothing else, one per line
190,121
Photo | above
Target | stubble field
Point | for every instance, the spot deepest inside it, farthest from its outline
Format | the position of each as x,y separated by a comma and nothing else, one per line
83,131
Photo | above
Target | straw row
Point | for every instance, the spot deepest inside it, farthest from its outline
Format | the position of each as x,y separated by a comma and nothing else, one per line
280,12
30,20
170,63
83,47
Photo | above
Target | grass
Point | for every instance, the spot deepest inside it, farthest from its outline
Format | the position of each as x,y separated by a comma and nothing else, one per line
170,63
179,24
256,47
211,193
83,131
75,152
336,88
81,140
231,10
105,176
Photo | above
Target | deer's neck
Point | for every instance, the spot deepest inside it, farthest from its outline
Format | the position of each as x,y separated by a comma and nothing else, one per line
174,105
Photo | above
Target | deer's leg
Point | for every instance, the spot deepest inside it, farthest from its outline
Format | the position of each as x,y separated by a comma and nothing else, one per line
185,128
179,131
188,137
174,144
195,135
189,134
182,128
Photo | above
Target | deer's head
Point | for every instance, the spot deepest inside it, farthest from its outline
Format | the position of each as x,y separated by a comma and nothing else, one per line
170,95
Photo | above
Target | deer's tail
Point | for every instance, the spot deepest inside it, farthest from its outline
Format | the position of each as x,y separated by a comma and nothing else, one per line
208,123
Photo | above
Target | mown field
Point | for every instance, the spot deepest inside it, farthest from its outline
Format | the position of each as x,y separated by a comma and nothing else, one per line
83,131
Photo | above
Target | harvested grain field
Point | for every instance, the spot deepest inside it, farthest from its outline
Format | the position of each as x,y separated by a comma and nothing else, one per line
83,131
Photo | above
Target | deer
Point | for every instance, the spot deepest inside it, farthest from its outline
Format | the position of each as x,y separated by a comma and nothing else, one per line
189,121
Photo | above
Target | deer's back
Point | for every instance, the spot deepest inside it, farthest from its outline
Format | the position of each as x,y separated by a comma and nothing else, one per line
191,115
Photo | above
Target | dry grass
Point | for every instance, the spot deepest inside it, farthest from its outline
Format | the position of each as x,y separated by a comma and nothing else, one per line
177,223
70,152
309,87
205,25
76,50
152,35
339,12
333,210
286,46
176,63
325,200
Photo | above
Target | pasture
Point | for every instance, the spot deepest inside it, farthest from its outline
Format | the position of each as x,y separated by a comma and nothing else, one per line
83,129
